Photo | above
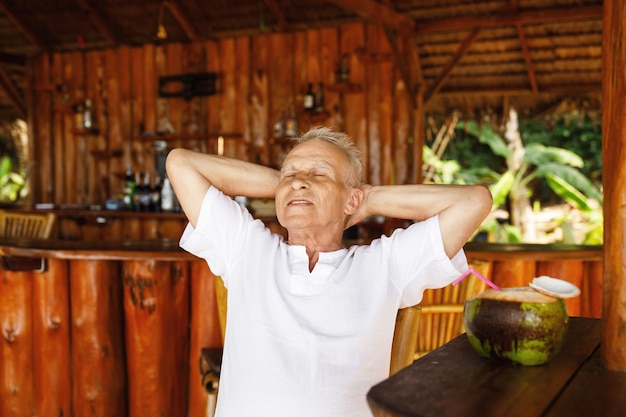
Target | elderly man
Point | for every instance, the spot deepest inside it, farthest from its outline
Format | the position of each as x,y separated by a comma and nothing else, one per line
310,322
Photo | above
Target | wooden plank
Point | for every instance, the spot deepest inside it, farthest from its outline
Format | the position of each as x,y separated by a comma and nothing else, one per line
51,353
591,303
354,105
568,270
205,330
454,381
513,273
156,308
242,94
43,146
614,167
98,376
385,111
17,396
214,103
229,93
594,391
261,118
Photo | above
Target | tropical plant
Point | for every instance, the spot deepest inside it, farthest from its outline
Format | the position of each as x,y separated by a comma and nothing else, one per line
11,183
512,187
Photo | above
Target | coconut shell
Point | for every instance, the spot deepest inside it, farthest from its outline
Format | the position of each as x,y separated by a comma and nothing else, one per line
518,325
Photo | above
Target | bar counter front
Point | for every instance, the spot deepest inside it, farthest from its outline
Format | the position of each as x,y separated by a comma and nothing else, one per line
115,327
105,328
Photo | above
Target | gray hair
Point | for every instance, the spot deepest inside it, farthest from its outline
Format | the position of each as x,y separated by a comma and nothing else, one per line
344,142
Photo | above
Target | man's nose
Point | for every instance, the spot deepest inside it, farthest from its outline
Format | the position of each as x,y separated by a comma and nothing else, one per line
299,182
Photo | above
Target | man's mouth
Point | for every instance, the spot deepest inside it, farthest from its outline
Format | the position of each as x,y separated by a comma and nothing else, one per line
299,202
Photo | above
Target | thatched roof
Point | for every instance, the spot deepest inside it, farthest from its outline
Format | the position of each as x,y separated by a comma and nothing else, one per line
472,55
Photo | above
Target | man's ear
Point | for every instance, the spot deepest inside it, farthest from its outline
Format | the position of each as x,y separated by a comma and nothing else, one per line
356,199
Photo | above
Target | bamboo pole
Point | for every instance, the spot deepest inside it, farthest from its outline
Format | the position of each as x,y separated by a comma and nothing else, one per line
614,155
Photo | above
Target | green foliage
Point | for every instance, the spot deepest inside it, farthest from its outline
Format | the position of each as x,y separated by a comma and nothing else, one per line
562,162
11,183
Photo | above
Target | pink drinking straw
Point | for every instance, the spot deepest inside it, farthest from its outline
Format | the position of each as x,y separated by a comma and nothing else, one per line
479,275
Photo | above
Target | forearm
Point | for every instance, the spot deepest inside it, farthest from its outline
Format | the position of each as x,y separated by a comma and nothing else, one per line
461,208
192,173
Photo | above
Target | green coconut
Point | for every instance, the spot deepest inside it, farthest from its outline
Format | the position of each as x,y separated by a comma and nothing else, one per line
518,325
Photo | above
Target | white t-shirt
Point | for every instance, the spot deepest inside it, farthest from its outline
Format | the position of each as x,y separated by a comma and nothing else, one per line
302,343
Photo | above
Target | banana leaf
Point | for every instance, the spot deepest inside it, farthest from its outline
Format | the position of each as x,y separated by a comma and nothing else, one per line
501,189
573,177
569,193
538,154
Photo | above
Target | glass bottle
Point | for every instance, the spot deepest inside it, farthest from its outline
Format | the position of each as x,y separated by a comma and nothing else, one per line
167,196
309,99
129,189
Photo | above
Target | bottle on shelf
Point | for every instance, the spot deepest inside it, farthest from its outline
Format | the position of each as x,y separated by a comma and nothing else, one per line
319,98
155,194
309,98
88,115
138,192
129,189
291,124
167,196
279,126
144,195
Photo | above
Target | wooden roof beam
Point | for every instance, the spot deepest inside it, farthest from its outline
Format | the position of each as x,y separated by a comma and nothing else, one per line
12,16
445,72
12,92
530,69
99,22
379,13
278,14
510,18
183,19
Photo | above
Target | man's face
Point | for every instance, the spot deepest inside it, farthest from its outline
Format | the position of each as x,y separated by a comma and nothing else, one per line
312,191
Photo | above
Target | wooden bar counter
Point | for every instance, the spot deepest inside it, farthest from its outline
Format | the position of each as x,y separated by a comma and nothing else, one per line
115,327
107,329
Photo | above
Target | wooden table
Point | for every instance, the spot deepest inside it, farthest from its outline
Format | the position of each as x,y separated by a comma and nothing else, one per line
455,381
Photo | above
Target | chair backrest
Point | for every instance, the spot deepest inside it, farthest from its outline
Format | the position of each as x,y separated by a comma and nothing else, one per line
442,310
30,225
404,338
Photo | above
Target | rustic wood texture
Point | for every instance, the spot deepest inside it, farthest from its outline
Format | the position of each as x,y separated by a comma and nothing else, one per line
77,335
455,381
17,396
156,309
51,342
99,377
259,77
613,138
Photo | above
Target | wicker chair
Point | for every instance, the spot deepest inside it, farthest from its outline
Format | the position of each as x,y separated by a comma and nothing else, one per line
29,225
402,349
442,310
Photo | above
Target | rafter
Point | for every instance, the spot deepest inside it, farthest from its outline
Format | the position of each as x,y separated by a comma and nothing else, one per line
530,69
12,16
379,13
183,19
507,18
99,22
445,72
12,92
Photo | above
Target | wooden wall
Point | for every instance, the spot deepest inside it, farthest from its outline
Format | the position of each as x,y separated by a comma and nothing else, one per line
259,76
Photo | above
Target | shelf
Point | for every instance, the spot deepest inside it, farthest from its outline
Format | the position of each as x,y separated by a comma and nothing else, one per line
345,88
115,153
86,132
189,136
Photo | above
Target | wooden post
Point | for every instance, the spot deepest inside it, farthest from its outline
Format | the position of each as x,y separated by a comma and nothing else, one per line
614,167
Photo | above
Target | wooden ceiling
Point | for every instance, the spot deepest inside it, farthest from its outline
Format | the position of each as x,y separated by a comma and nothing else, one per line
465,55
